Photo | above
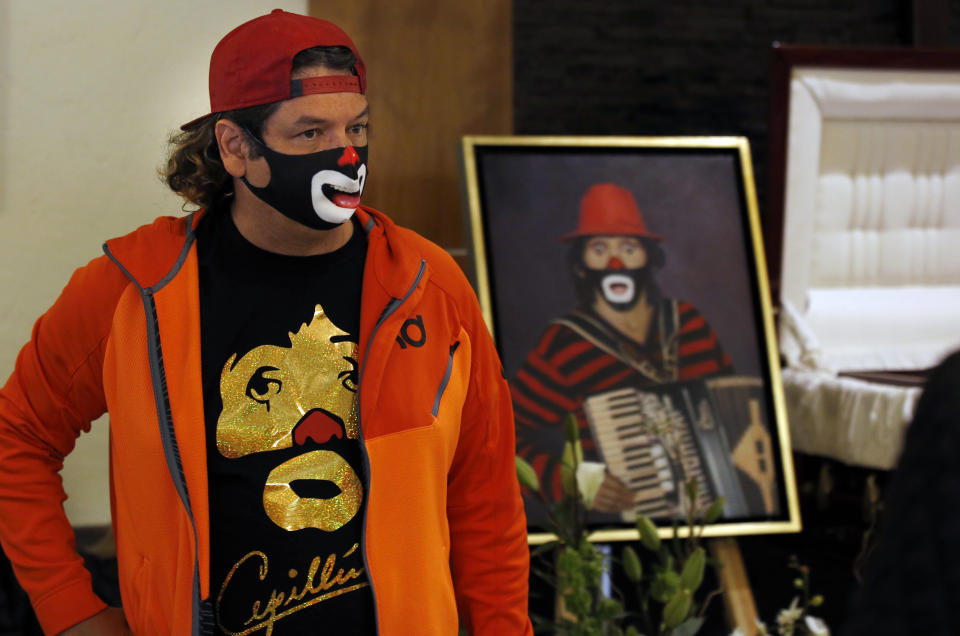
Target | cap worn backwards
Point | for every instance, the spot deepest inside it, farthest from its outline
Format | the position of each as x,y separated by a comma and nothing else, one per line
252,64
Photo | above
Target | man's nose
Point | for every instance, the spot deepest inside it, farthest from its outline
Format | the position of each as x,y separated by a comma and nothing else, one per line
349,157
615,263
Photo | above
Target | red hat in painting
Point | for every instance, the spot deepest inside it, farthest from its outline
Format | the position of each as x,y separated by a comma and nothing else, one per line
251,65
610,210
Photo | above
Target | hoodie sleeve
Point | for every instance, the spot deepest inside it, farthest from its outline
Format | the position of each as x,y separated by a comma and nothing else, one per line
53,394
490,559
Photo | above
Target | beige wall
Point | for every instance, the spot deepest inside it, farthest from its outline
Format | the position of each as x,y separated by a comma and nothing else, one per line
89,92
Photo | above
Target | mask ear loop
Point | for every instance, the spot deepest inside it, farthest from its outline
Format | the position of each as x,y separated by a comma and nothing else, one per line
249,133
257,141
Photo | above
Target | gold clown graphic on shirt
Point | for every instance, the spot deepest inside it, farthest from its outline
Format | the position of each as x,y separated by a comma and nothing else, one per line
279,400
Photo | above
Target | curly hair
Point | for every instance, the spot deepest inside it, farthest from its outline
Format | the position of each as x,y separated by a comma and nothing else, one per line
194,169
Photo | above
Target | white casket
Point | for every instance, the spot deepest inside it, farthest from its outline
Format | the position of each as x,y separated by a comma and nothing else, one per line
869,279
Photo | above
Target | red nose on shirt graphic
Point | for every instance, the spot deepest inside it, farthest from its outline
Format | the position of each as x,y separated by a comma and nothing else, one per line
301,396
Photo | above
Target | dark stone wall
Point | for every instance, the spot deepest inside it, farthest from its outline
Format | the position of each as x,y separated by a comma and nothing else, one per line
681,67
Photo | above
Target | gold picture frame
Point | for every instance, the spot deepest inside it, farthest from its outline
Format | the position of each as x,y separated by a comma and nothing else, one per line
522,194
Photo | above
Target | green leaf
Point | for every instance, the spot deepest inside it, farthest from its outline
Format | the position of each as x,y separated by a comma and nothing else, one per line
609,608
568,479
631,631
549,546
677,609
693,487
527,475
648,533
568,456
571,427
688,627
714,511
692,575
665,586
631,564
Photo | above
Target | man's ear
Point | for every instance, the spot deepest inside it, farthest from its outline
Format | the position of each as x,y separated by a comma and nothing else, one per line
233,146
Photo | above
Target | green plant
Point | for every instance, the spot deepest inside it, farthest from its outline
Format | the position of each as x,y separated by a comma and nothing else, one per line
578,569
671,600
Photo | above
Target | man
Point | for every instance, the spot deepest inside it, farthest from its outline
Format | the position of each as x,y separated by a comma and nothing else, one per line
624,333
310,432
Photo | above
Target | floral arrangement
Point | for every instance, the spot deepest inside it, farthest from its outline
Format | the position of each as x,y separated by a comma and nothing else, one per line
796,620
670,592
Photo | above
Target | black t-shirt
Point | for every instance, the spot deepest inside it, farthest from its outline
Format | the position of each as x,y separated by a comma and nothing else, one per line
286,476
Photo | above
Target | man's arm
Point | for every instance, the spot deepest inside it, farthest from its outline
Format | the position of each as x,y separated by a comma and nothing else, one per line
54,393
489,556
109,622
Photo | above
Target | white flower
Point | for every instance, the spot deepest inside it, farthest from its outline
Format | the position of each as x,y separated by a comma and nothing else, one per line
589,477
816,626
787,618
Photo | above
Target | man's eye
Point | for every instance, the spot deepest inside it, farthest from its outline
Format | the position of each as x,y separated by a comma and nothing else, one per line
309,134
357,129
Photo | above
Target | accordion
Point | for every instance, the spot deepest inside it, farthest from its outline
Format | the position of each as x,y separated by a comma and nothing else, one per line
657,438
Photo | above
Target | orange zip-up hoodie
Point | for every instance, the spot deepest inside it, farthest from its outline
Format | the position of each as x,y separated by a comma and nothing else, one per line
444,528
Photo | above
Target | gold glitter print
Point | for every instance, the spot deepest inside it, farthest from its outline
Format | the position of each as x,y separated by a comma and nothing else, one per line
292,512
323,580
267,391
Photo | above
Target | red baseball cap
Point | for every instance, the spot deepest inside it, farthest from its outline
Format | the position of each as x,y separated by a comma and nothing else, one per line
251,65
610,210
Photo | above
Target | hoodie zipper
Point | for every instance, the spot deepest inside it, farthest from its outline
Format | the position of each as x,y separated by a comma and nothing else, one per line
446,379
202,613
391,307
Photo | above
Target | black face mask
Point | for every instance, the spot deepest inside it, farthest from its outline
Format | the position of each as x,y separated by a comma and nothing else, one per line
622,288
320,190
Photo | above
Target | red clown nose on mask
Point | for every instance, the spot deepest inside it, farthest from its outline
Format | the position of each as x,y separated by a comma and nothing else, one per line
349,157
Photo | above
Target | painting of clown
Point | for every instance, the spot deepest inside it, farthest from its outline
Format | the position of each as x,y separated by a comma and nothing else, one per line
621,285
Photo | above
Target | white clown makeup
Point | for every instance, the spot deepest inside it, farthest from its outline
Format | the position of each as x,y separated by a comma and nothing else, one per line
618,289
321,190
336,196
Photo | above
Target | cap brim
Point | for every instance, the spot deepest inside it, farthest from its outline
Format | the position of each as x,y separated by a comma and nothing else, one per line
195,122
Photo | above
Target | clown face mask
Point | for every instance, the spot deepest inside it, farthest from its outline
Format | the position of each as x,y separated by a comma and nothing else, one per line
320,190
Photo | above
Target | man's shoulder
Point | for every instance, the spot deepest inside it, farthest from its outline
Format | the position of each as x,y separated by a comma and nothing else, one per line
571,329
150,251
444,270
165,232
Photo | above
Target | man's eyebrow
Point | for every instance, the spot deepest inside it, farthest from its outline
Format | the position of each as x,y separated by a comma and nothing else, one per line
316,121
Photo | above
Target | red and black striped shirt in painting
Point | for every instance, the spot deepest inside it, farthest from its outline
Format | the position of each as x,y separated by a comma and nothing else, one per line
580,355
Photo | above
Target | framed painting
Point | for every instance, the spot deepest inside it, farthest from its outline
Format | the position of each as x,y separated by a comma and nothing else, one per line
624,282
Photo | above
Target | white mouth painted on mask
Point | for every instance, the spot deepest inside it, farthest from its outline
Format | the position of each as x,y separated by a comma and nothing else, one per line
617,288
353,188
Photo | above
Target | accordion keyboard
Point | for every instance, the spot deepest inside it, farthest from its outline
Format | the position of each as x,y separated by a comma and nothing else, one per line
646,442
